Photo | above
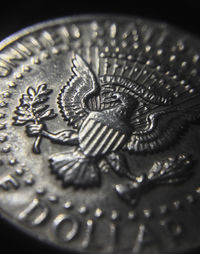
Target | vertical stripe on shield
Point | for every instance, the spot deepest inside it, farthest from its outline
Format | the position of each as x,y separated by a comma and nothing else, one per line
97,138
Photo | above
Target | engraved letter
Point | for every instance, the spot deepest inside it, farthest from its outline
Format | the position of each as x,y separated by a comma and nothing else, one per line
144,237
35,213
172,228
89,229
12,56
113,235
23,49
68,224
9,181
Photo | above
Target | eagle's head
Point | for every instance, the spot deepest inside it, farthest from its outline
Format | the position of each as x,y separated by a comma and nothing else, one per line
122,104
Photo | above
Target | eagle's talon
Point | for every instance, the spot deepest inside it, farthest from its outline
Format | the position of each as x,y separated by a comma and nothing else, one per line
128,192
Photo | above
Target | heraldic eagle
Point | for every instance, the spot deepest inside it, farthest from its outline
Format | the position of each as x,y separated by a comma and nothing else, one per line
113,114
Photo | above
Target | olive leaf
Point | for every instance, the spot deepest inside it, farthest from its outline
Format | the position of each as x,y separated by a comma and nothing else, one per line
31,92
33,109
172,170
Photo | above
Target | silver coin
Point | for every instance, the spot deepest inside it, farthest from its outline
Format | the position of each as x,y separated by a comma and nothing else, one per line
99,135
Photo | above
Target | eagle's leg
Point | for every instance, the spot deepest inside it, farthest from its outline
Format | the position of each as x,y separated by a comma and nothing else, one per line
118,163
67,137
130,191
173,170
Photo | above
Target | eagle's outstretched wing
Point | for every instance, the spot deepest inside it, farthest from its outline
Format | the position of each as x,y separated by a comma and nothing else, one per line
164,126
72,99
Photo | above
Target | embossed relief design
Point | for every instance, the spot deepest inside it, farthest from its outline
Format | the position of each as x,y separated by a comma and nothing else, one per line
117,104
124,96
33,109
111,115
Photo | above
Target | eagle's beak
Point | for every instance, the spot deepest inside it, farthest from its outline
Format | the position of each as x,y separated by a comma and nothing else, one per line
111,97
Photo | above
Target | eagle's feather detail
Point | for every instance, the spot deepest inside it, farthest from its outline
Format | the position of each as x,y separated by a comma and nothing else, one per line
162,126
76,170
72,99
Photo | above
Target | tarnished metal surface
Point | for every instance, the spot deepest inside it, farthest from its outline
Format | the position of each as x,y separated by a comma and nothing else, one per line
99,135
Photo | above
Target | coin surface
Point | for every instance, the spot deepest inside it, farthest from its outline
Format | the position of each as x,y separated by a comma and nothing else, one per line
99,135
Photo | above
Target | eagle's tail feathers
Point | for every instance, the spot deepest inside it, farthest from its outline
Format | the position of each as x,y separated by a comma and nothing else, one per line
76,170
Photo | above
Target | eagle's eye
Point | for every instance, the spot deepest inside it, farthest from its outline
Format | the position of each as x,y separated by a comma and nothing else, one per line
115,96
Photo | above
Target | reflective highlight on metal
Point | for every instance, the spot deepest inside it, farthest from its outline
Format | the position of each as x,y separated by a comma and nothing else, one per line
99,135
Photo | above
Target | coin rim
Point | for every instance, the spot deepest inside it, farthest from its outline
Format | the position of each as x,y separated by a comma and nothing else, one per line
13,222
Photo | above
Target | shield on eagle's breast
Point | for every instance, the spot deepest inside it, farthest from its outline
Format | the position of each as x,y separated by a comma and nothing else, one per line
98,137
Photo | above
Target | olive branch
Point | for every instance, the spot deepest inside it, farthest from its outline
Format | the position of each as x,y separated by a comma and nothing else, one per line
173,170
32,108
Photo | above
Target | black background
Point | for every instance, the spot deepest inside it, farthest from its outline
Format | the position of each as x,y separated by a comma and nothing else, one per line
17,15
